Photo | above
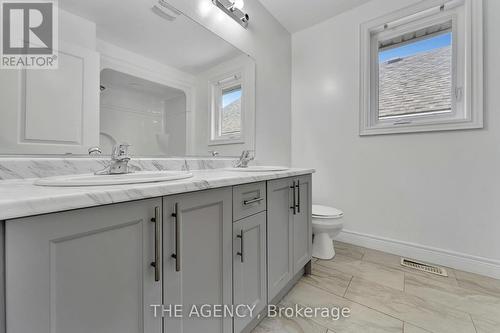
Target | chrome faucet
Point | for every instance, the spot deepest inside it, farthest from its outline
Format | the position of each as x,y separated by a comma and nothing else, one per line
244,159
95,151
119,161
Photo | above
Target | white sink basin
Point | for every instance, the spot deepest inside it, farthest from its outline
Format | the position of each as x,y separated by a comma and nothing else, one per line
98,180
259,169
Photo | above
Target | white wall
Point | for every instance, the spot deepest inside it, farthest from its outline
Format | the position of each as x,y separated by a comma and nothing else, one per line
269,44
175,125
77,30
433,195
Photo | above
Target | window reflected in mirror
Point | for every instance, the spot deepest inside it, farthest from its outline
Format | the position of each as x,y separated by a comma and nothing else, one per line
231,112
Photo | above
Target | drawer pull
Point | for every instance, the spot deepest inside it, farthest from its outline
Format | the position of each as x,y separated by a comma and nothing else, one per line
178,236
240,236
249,202
298,196
157,263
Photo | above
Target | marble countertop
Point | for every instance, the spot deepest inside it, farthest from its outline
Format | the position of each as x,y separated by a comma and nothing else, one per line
21,198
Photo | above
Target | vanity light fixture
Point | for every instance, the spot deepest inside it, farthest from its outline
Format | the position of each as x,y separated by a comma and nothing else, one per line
239,4
234,8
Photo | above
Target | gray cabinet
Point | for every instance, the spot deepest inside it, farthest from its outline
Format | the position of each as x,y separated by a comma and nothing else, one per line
289,230
86,270
302,223
100,269
249,266
197,265
279,235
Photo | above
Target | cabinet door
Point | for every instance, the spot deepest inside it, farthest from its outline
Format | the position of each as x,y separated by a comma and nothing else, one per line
83,271
200,237
279,235
249,266
52,111
302,223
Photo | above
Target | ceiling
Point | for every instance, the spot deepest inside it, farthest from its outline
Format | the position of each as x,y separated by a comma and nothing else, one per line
296,15
132,25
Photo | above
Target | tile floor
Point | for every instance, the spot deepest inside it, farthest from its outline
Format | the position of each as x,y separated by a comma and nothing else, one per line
386,297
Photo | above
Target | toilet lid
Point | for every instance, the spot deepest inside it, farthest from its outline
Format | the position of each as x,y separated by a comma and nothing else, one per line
326,212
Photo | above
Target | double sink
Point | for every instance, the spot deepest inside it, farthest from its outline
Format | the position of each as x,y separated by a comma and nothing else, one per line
136,177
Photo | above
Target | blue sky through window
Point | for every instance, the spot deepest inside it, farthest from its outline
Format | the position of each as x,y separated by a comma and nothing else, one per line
230,97
413,48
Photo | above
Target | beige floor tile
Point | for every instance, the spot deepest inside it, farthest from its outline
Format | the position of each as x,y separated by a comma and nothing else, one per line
349,250
478,282
382,295
462,299
409,328
394,261
409,308
486,325
288,325
328,279
362,319
367,270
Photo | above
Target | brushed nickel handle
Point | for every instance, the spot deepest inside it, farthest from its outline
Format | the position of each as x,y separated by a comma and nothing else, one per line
178,224
157,263
249,202
240,236
294,204
298,196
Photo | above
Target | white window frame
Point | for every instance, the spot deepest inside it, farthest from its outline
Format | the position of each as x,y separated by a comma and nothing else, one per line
217,86
467,67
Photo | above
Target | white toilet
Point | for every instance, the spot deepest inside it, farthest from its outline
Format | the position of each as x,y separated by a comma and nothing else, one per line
326,224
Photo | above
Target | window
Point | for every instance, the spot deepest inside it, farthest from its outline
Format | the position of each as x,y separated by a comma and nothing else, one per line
417,72
415,79
230,112
227,110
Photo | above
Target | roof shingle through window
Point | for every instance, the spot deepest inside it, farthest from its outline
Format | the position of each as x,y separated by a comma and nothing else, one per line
416,84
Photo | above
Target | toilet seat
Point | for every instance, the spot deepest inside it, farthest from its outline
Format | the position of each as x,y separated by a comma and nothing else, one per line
327,223
325,212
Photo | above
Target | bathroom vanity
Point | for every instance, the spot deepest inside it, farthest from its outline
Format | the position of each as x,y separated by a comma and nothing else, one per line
220,237
96,258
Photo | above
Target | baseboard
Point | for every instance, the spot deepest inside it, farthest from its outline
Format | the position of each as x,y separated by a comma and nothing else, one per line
457,260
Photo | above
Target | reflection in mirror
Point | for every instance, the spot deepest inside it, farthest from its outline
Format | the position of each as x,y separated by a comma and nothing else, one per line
145,113
136,72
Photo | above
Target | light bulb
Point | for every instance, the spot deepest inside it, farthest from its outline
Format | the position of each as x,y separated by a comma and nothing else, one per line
239,4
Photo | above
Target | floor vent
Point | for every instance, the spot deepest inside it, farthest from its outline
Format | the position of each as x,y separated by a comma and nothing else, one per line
423,267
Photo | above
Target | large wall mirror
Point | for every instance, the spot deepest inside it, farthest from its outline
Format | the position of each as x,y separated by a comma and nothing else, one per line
136,72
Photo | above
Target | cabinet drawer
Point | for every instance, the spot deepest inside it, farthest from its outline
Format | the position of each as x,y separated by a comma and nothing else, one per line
248,199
